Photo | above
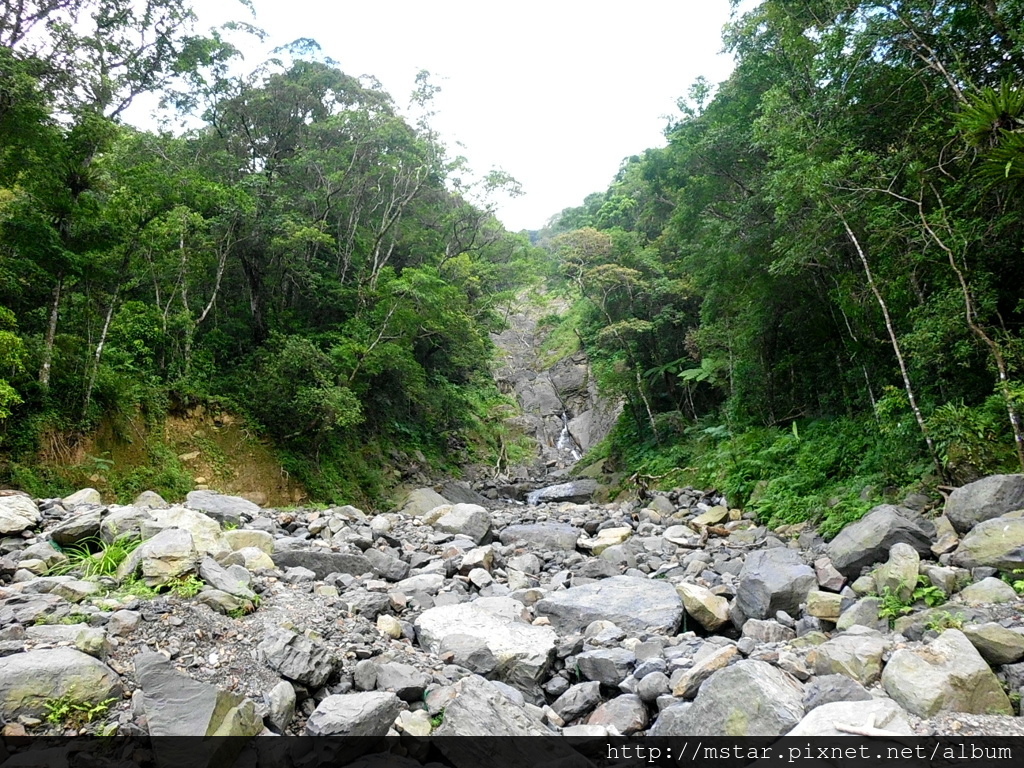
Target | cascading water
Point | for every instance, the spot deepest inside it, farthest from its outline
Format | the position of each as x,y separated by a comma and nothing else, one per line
566,443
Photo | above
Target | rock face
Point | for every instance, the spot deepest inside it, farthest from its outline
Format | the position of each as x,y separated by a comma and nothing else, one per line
177,705
772,580
948,675
749,698
984,499
28,680
634,605
869,540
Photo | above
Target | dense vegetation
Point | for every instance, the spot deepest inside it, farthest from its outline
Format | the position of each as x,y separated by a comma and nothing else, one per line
813,292
305,253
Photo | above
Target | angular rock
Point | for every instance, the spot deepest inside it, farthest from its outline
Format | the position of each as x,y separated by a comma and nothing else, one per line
868,540
83,496
988,590
150,500
689,681
761,631
478,708
770,581
984,499
177,705
608,666
166,556
864,613
541,536
90,640
635,605
996,543
523,652
825,720
242,538
828,577
420,501
354,714
899,574
606,537
856,653
296,657
709,610
323,562
626,714
226,579
824,605
996,644
826,689
577,491
82,524
222,508
280,706
404,680
949,675
471,652
749,698
466,519
28,680
577,701
386,566
206,532
18,513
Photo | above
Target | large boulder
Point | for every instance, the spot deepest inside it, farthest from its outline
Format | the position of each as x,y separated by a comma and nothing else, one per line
996,543
206,531
578,491
18,513
522,651
709,610
166,556
296,657
633,604
82,497
949,675
354,714
770,581
224,509
899,574
28,680
469,520
177,705
420,501
856,653
997,644
479,708
541,536
984,499
81,524
323,562
749,698
827,719
869,540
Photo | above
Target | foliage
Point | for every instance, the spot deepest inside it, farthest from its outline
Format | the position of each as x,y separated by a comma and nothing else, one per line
185,586
893,605
71,712
945,620
1015,580
94,557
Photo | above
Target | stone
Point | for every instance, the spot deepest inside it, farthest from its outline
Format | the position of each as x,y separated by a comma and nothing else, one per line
709,610
770,581
825,689
608,666
18,513
370,713
177,705
634,604
28,680
390,626
899,574
242,538
688,682
296,658
984,499
577,701
420,501
996,543
471,652
126,522
824,605
90,640
856,653
748,698
150,500
252,559
988,590
386,566
883,714
226,579
323,562
767,631
828,577
166,556
523,652
81,524
429,583
83,496
652,685
606,537
280,702
478,708
578,492
414,723
864,612
948,675
404,680
996,644
205,530
868,540
222,508
713,516
625,714
122,623
541,536
467,519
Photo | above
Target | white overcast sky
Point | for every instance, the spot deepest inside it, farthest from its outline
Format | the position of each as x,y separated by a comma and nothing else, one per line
555,92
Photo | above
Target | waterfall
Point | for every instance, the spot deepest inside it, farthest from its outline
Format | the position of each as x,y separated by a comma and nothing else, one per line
566,442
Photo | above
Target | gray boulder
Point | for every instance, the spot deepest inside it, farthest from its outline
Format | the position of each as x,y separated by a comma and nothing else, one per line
856,653
83,496
949,675
869,540
996,543
296,657
577,491
772,580
479,708
354,714
18,513
749,698
608,666
626,714
826,720
404,680
323,562
420,501
223,509
635,605
166,556
578,700
984,499
996,644
28,680
826,689
466,519
82,524
541,536
177,705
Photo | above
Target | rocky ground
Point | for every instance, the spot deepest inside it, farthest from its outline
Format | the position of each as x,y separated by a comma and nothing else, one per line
678,616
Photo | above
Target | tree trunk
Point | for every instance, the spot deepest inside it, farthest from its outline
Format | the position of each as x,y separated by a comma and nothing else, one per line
98,355
51,334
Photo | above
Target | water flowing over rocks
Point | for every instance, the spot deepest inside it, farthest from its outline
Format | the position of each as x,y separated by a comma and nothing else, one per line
499,618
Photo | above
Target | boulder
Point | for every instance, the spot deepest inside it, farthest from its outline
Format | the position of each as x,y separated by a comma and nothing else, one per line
177,705
206,532
984,499
708,609
635,605
28,680
296,658
996,543
625,714
224,509
81,524
770,581
749,698
541,536
523,652
687,682
825,605
479,708
577,701
988,590
827,719
370,713
606,537
856,653
404,680
81,497
243,538
150,500
323,562
90,640
608,666
825,689
467,519
996,644
234,580
869,540
164,557
899,574
18,513
577,491
949,675
420,501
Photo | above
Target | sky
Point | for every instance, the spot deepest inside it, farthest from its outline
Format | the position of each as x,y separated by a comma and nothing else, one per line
554,92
